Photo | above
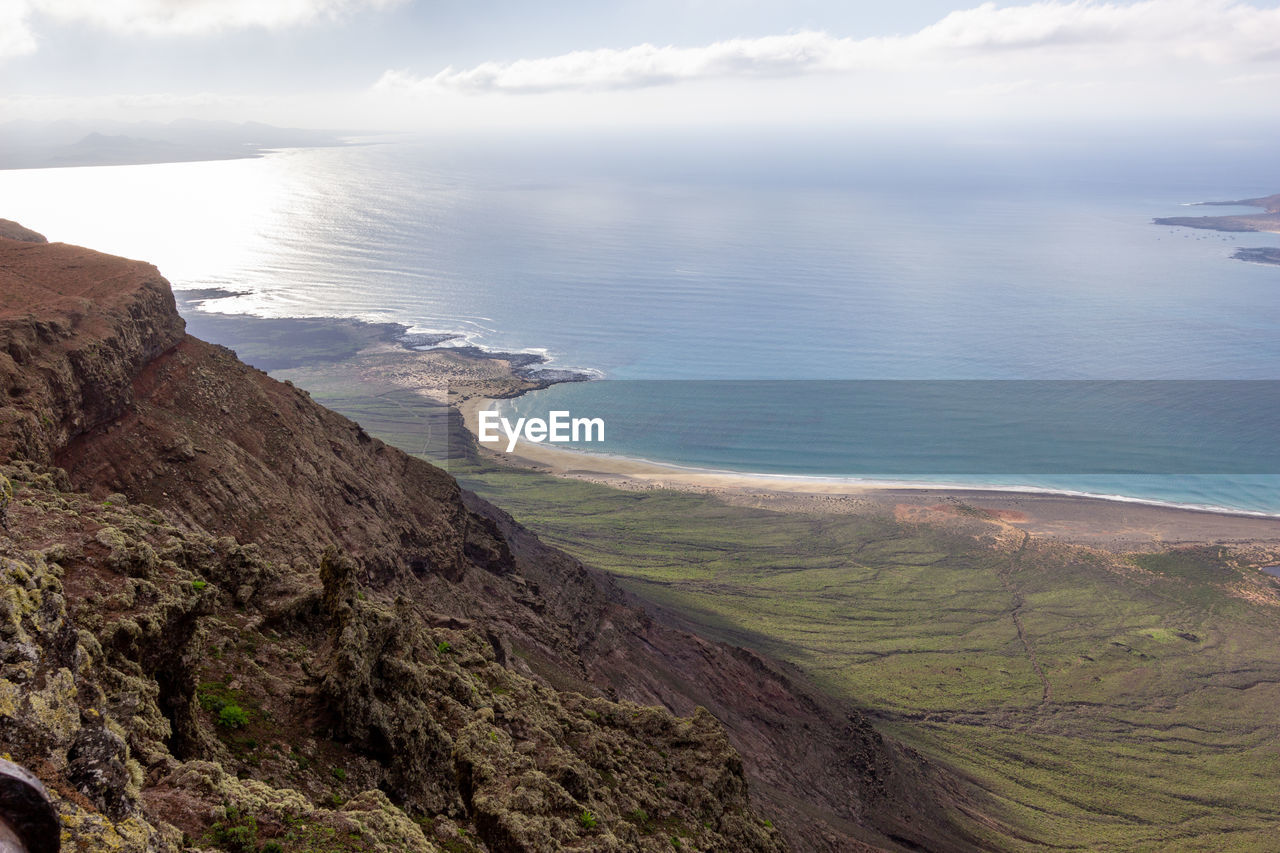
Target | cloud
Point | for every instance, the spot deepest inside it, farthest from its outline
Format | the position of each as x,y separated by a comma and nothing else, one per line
642,66
180,17
16,38
1063,36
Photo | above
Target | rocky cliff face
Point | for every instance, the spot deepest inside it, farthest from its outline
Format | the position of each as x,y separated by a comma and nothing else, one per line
232,620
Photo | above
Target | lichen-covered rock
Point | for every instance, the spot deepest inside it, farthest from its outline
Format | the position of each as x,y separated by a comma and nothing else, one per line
166,713
52,719
6,498
221,812
532,768
98,764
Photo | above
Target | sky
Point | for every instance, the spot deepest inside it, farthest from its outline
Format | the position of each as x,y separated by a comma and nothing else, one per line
425,65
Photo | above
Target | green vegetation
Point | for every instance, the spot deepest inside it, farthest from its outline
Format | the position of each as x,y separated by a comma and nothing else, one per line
1148,724
1152,725
232,717
587,819
237,833
199,586
299,758
227,706
213,696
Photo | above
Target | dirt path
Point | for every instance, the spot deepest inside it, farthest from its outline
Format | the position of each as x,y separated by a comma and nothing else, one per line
1006,580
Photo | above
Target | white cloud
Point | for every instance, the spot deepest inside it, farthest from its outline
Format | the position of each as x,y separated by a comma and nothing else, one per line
181,17
1053,36
642,66
16,38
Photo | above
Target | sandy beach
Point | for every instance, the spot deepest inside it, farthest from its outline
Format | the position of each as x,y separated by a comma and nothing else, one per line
1098,522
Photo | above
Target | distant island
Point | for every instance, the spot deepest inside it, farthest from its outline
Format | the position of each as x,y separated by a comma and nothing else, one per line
1264,255
1269,221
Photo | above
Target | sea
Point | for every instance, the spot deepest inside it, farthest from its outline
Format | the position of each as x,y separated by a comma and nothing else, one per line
742,296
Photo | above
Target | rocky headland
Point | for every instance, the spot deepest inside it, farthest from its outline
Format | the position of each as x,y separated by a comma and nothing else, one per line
1269,220
1264,255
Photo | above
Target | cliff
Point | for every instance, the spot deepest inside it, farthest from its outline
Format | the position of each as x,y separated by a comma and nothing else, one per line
233,620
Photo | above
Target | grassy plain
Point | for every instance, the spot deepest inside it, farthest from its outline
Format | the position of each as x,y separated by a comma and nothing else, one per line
1106,702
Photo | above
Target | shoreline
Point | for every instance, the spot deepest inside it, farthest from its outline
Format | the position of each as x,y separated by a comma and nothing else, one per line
336,339
1267,222
1115,523
563,461
354,358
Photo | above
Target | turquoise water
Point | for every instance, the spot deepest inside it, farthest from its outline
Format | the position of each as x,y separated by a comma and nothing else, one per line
1207,443
730,259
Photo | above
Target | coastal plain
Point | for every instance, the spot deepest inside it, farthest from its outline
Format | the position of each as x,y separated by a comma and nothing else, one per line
1104,672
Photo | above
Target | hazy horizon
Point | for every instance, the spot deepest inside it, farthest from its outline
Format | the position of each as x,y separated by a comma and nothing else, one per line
449,67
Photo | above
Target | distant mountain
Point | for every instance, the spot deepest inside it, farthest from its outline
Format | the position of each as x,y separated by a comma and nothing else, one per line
36,145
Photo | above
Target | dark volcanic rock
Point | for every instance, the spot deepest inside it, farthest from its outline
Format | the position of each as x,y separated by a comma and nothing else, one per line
1264,255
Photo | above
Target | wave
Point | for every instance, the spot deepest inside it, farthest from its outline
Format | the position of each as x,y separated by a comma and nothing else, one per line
942,485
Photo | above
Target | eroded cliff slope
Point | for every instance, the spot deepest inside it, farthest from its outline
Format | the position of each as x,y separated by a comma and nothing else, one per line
233,620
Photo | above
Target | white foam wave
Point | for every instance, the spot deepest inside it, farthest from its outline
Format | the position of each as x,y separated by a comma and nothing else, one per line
873,483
